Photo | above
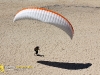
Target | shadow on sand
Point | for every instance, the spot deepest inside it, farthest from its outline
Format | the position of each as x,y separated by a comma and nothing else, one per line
69,66
40,55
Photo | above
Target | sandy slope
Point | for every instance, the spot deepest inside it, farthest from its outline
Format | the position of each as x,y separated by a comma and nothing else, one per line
17,40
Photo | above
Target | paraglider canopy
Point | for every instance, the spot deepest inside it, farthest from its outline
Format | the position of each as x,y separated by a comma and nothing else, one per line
47,16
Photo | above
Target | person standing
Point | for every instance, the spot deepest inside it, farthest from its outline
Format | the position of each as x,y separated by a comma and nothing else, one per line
36,50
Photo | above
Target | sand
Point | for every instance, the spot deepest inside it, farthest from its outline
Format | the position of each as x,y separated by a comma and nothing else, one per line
61,54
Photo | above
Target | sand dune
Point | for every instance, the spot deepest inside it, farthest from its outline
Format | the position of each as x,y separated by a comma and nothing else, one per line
17,40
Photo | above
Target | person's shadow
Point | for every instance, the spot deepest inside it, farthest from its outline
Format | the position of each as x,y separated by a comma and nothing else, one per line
40,55
63,65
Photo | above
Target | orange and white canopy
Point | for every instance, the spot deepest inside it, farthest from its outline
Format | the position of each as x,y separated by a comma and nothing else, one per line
47,16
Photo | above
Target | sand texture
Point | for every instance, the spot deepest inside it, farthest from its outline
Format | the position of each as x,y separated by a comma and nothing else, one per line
62,56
